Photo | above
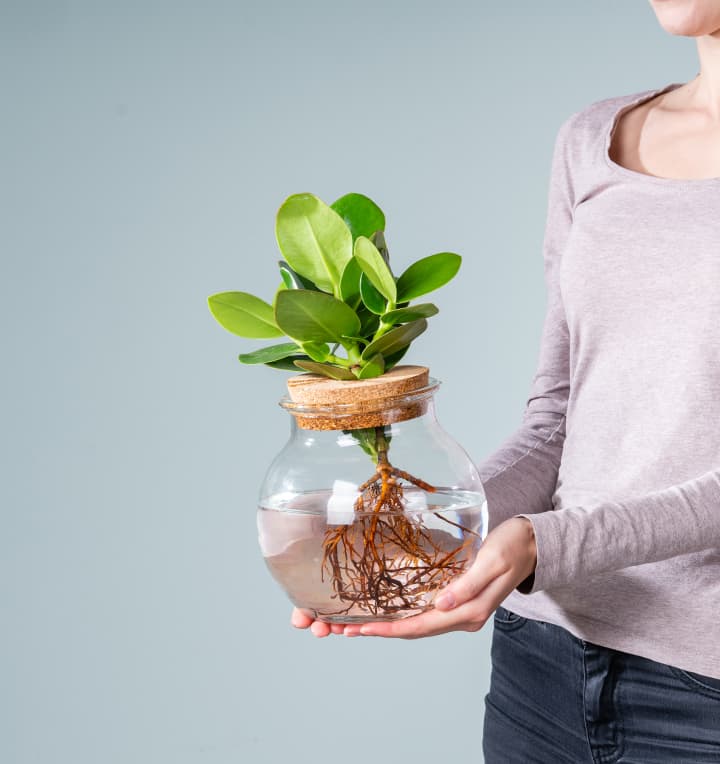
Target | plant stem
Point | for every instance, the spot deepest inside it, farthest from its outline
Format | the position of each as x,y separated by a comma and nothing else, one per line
381,444
336,359
382,329
353,351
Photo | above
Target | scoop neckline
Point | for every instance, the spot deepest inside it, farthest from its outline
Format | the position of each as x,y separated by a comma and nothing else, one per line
643,97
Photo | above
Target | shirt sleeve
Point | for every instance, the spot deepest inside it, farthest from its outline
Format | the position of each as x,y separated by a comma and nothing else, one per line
575,542
521,475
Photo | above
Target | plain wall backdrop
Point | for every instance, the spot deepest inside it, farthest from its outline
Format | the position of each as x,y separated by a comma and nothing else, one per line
145,148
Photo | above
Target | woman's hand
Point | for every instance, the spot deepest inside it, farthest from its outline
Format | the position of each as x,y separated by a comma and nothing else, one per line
506,558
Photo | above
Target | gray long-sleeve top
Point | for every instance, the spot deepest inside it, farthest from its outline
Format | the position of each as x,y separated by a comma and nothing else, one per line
617,460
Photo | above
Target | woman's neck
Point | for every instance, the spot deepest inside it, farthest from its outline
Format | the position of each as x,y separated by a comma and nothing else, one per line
706,90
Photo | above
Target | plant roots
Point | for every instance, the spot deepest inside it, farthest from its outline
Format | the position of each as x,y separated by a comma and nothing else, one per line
385,562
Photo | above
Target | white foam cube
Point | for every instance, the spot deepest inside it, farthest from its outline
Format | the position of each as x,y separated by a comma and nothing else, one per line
414,502
341,504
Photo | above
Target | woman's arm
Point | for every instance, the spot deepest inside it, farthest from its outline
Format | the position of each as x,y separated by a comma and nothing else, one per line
575,542
520,476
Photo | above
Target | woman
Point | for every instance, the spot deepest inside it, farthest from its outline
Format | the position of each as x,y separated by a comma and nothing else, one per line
602,565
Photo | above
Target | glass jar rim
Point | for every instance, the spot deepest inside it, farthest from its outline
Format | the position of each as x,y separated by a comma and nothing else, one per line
365,405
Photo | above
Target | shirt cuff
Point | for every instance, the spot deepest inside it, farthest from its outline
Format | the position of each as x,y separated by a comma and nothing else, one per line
548,549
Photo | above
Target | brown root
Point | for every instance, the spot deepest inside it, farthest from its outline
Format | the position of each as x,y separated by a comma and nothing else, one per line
386,562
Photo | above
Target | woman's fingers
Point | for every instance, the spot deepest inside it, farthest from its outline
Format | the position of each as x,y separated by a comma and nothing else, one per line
467,616
508,548
470,616
299,619
466,587
426,624
320,628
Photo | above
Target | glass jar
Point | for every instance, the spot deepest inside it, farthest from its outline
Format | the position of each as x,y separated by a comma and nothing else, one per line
371,506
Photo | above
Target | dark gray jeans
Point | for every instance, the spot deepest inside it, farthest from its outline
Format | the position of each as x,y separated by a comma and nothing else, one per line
557,699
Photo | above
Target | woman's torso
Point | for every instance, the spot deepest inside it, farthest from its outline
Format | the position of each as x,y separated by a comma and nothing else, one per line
640,284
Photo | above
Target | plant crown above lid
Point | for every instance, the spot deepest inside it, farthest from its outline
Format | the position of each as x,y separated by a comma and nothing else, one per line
337,290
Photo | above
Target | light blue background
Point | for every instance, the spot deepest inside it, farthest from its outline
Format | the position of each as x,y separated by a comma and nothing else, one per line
145,149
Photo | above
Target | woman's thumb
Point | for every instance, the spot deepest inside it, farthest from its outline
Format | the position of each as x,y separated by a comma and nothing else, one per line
459,591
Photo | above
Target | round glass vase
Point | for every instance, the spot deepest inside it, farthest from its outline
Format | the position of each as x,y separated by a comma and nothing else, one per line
371,506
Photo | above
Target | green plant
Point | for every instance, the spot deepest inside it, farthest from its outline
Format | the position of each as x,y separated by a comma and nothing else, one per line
337,290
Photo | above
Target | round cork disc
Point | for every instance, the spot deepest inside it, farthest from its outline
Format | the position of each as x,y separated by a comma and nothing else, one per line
317,389
362,397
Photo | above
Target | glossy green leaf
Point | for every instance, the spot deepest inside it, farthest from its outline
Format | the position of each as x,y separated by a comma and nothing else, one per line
375,268
318,351
309,316
394,358
326,369
244,314
369,321
314,240
362,216
374,367
294,280
350,283
378,239
288,280
403,315
271,353
372,299
427,274
395,339
288,364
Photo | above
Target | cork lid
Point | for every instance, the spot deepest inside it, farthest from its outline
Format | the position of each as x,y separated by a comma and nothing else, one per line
321,403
